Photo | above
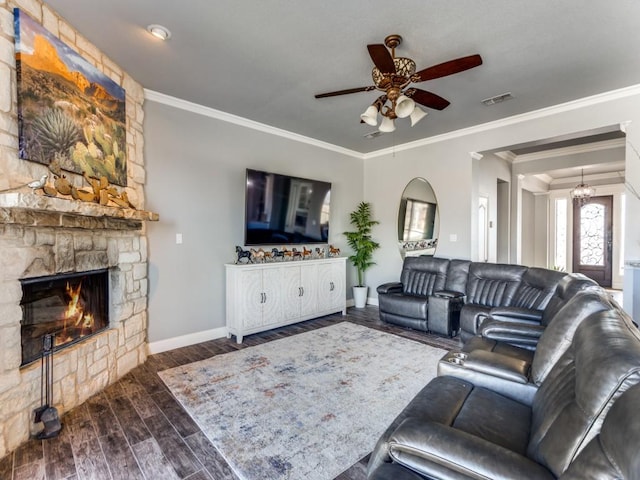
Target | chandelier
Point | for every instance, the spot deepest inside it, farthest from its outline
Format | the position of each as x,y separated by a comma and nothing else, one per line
582,192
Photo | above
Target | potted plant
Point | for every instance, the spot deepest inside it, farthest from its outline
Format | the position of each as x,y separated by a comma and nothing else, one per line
363,247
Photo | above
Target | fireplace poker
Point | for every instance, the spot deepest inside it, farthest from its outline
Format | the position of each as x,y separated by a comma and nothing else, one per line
46,413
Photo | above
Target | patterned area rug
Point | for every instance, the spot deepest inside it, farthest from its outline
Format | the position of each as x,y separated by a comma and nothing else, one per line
307,406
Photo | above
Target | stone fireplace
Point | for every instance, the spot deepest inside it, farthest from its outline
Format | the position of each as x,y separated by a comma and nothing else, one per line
70,307
45,236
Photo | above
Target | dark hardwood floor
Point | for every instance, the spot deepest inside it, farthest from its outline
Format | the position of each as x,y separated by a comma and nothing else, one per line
135,429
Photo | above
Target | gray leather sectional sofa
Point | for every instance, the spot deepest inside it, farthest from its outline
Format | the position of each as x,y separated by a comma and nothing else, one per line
450,296
565,407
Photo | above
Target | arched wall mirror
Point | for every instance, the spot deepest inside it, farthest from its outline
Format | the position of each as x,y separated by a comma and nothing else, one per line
418,219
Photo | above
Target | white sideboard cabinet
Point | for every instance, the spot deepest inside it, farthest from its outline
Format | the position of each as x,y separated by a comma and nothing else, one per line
269,295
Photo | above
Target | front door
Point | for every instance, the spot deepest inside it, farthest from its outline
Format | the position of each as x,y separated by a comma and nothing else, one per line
592,238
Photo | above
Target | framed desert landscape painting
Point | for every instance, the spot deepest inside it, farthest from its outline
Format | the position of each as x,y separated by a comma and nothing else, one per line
69,113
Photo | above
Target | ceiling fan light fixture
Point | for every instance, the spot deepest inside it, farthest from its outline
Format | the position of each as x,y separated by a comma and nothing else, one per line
404,106
370,116
417,115
387,125
159,31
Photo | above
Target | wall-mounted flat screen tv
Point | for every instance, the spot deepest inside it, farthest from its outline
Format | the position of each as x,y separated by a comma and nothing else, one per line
283,210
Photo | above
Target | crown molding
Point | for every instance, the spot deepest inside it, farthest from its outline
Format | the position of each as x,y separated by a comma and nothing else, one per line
594,177
513,120
573,150
506,155
483,127
198,109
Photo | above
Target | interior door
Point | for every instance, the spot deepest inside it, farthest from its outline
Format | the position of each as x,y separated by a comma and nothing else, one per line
592,239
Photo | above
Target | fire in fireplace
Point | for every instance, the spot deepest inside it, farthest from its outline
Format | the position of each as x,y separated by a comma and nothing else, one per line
67,306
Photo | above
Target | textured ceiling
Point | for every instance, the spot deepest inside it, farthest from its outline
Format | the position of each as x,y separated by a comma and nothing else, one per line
265,60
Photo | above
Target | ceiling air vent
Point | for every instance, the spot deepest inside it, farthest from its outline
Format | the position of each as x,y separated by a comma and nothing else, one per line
375,134
497,99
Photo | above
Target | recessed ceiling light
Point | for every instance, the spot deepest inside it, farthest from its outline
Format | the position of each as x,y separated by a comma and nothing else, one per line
159,31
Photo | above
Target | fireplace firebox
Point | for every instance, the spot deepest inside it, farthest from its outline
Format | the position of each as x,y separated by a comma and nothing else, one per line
68,306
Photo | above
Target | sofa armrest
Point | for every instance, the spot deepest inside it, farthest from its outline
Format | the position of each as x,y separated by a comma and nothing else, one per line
392,287
521,334
516,314
448,294
498,365
439,451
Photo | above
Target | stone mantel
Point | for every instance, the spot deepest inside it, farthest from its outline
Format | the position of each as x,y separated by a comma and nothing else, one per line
31,209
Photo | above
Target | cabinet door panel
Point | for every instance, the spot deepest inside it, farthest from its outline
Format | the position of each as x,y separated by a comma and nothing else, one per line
331,286
309,285
337,285
252,296
271,286
291,292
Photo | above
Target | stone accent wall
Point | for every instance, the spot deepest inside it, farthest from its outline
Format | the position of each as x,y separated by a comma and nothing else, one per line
35,243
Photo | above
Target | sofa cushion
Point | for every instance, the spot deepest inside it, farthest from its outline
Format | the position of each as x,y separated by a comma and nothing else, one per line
558,335
493,284
568,409
481,343
536,288
457,275
422,275
496,419
567,287
471,317
403,305
614,452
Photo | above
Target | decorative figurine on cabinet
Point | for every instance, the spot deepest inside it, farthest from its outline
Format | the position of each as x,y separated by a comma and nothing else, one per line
334,251
258,255
319,252
306,253
277,254
287,254
240,253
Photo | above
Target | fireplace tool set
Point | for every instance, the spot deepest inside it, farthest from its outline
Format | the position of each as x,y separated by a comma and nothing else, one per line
46,413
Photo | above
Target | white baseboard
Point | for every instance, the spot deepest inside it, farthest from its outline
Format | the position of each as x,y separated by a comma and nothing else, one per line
186,340
370,301
206,335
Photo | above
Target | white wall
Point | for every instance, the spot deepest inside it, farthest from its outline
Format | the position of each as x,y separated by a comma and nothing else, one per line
445,162
195,180
528,228
487,171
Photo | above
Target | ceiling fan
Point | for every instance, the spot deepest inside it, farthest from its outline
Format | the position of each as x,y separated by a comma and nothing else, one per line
392,75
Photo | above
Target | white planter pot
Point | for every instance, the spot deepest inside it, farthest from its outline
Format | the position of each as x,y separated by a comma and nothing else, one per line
360,296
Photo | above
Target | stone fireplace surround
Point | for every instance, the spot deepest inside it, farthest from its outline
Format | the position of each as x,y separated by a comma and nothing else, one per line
46,236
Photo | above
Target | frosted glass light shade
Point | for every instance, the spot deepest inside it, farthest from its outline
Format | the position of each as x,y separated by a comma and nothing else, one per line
404,106
417,115
387,125
370,116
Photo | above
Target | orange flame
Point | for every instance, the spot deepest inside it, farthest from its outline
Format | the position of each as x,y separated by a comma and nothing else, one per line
76,315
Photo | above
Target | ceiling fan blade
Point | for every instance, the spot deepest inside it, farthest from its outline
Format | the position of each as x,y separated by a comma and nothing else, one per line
381,58
427,99
346,92
448,68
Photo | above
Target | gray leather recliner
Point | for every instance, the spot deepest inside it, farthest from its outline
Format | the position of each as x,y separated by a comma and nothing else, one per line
454,429
612,454
406,302
524,330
